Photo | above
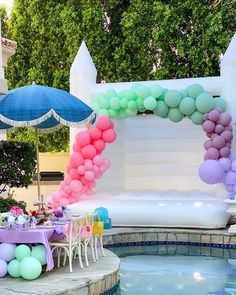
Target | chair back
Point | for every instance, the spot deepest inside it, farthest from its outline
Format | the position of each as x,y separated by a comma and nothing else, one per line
73,229
87,229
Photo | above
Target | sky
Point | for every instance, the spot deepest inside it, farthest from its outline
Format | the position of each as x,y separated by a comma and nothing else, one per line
8,3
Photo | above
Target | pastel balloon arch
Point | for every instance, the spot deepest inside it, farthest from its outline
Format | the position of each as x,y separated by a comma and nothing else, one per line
86,163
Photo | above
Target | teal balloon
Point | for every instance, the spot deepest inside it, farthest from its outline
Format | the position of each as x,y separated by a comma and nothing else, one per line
184,92
132,105
156,91
195,90
30,268
205,102
114,103
113,113
161,109
142,92
187,106
122,113
175,115
172,98
39,252
110,93
13,268
103,112
132,95
124,94
22,251
124,102
164,91
140,104
130,112
221,104
150,103
103,103
197,118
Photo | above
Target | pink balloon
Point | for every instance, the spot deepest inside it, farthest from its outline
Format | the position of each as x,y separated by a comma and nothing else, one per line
225,162
81,169
95,133
56,196
210,134
218,142
107,163
76,186
99,145
76,195
84,181
83,138
89,151
233,166
103,123
68,168
225,152
95,169
213,153
89,175
225,119
205,117
88,166
230,178
76,160
219,129
208,144
112,124
98,160
228,144
76,147
229,128
109,136
67,189
103,168
214,115
208,126
228,135
64,202
67,179
74,173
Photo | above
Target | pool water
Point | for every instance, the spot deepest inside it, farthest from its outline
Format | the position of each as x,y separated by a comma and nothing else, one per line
176,270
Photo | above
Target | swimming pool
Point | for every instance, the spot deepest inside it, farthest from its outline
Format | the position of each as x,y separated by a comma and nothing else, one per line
176,270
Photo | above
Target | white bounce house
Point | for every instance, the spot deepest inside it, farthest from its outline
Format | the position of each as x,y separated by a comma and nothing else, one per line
153,179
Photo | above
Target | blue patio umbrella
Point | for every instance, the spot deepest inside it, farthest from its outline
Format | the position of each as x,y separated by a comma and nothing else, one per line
42,107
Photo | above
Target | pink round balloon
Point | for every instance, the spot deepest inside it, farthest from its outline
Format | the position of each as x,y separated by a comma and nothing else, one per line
76,160
208,144
103,168
76,147
73,200
76,195
89,151
89,175
98,160
226,163
56,196
225,119
219,129
95,133
68,168
103,123
83,138
95,169
228,144
107,163
81,169
84,181
67,189
99,145
109,136
218,142
210,134
228,135
64,202
67,179
205,117
233,166
225,152
88,166
208,126
74,173
112,124
214,115
230,178
229,128
76,186
213,153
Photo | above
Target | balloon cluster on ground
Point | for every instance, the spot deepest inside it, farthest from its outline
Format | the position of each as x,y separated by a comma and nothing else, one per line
86,163
192,102
22,261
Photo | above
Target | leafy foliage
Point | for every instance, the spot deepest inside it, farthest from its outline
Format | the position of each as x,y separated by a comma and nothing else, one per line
17,163
6,204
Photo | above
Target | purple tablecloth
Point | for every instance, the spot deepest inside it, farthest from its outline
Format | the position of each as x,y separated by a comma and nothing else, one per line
33,236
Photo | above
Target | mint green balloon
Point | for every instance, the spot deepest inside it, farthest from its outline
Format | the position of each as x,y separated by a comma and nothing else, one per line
114,103
172,98
30,268
205,102
187,106
140,103
132,105
220,103
95,106
132,95
195,90
103,112
124,102
150,103
161,109
124,94
103,103
142,92
122,113
113,113
197,118
184,92
39,252
130,112
22,251
156,91
164,91
175,115
110,93
13,268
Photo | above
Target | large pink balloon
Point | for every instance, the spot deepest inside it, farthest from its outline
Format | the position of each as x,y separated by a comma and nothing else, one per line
89,175
88,166
218,142
225,152
89,151
76,186
98,160
76,160
213,153
56,196
81,169
228,135
83,138
68,168
68,179
99,145
64,202
76,147
103,123
225,119
95,133
211,171
208,126
109,136
207,144
214,115
74,173
219,129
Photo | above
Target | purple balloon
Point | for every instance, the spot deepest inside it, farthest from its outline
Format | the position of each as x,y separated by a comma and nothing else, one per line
211,171
208,126
229,188
3,268
225,152
207,144
225,119
230,128
230,178
7,251
219,129
214,115
232,157
233,166
213,153
226,163
228,135
210,134
218,142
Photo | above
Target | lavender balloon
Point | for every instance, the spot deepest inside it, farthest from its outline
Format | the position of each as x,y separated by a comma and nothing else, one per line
213,154
208,126
228,135
207,144
230,178
219,129
7,251
214,115
226,163
233,166
3,268
211,171
218,142
225,119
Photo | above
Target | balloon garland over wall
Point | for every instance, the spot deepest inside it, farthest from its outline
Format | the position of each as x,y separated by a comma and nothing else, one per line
86,163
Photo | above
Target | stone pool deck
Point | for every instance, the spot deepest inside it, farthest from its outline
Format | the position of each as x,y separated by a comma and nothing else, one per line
104,274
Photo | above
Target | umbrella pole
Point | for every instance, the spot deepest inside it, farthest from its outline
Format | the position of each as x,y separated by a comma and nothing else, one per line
37,157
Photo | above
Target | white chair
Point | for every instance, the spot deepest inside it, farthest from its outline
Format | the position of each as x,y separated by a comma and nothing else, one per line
70,244
98,240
